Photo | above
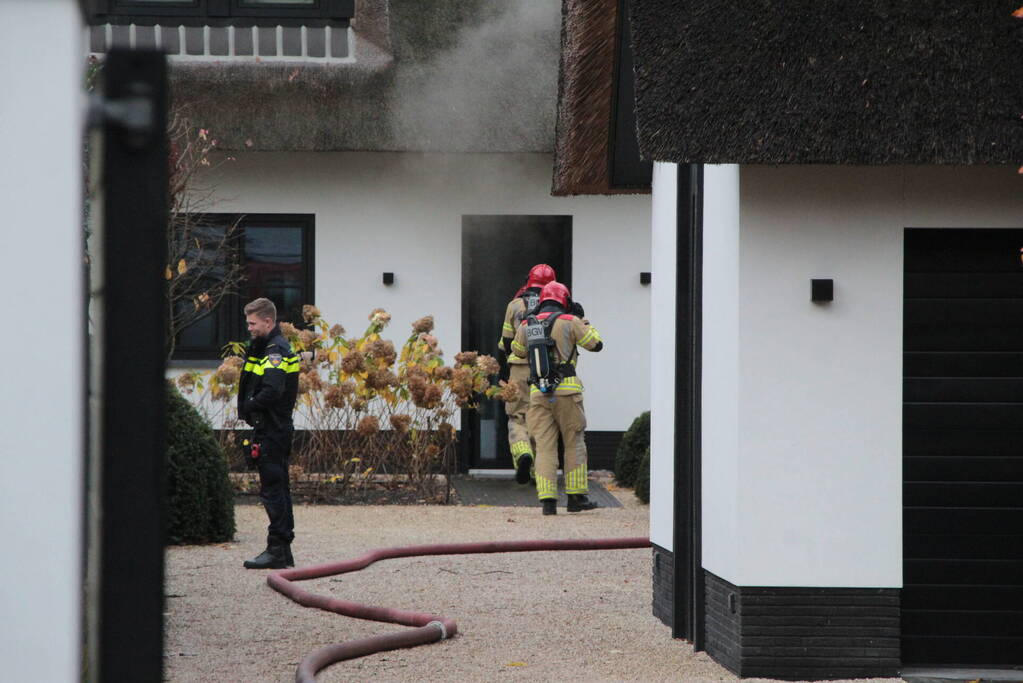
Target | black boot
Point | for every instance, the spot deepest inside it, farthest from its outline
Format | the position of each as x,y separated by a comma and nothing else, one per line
523,467
550,506
274,557
577,502
289,559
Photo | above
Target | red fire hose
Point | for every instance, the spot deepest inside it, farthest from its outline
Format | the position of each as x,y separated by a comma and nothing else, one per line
429,627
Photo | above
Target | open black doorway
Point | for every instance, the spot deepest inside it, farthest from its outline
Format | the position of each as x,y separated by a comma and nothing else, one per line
497,253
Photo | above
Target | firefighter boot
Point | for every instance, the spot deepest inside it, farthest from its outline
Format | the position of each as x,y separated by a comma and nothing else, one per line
577,502
523,468
274,557
550,506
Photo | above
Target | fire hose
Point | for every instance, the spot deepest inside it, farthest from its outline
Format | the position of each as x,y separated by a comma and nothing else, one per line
428,628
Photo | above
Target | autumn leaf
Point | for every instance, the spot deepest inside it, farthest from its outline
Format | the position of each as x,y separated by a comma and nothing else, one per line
167,274
517,664
182,267
1018,13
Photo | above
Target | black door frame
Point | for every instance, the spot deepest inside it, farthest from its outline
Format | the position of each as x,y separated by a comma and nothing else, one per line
468,437
688,611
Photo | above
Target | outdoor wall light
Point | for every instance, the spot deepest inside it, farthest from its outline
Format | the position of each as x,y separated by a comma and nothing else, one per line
388,278
822,290
644,278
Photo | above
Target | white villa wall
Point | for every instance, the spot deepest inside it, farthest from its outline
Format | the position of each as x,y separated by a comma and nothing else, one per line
41,459
662,355
402,213
820,390
720,369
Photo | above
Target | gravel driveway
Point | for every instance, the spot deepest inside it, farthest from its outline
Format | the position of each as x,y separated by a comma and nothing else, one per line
581,616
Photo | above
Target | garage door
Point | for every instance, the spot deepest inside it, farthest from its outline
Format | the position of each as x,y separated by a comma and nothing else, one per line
963,448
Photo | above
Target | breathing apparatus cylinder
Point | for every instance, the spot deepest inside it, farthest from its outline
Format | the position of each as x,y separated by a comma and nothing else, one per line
537,346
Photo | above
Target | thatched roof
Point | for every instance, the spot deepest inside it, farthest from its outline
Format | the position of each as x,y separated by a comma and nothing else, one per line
437,76
816,81
583,139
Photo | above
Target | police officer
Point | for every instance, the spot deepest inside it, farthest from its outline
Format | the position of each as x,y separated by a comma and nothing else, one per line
526,299
556,396
266,397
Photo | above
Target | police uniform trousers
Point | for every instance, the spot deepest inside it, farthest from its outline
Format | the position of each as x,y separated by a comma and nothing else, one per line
518,435
275,485
546,418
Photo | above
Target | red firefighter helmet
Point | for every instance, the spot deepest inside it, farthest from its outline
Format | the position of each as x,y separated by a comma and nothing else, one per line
540,275
555,291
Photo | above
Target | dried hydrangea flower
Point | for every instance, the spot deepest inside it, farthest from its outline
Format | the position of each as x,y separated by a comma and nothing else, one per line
308,338
228,374
337,331
186,382
383,350
488,364
447,431
466,357
509,391
289,330
379,315
424,324
353,362
310,313
444,372
431,451
335,397
401,422
368,426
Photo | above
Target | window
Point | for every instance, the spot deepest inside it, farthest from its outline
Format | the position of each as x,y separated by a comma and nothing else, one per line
276,256
337,13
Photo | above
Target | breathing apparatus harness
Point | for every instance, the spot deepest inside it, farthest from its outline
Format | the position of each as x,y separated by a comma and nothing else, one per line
544,373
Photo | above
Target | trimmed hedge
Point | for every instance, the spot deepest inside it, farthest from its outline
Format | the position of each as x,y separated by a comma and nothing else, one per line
643,478
635,442
200,502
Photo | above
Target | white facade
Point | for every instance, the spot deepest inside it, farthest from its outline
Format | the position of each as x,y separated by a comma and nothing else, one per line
41,459
663,342
802,402
402,213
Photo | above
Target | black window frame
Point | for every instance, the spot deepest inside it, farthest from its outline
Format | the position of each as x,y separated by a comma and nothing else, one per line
334,13
230,323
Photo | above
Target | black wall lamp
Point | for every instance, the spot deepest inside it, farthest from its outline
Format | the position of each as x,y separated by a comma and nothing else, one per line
388,278
644,278
822,291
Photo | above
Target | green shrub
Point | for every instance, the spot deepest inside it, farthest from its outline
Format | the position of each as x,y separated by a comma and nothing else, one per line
200,505
643,478
634,444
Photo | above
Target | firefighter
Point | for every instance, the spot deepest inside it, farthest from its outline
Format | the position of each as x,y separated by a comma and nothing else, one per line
526,299
550,339
266,398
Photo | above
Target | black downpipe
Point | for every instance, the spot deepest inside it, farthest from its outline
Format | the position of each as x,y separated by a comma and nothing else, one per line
688,591
132,419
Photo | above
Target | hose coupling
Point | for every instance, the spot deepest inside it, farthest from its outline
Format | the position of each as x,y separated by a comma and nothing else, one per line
443,630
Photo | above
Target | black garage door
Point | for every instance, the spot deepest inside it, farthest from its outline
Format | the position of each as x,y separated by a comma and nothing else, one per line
963,448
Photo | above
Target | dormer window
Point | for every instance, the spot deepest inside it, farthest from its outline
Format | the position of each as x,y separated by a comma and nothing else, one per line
240,13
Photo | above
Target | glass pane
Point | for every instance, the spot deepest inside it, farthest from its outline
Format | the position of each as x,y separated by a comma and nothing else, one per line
206,257
183,3
274,268
258,3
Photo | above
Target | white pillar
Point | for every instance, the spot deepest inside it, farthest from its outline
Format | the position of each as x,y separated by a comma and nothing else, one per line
42,341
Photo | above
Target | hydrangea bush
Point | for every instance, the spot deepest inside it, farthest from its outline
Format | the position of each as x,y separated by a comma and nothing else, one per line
365,407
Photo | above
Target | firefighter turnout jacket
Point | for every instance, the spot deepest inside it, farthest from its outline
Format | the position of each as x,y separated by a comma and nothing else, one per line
268,389
514,314
567,332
